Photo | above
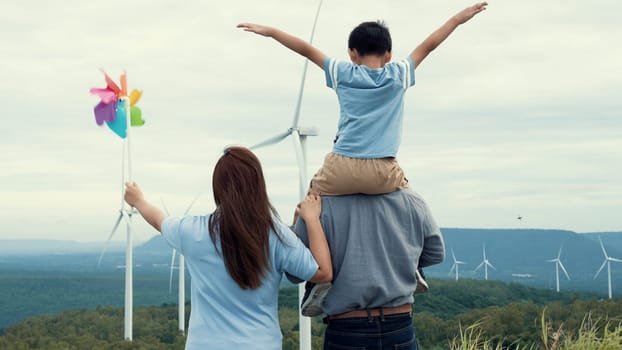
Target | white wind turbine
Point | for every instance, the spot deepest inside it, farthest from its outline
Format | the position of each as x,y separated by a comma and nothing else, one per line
485,263
125,213
558,264
181,297
607,262
456,264
299,136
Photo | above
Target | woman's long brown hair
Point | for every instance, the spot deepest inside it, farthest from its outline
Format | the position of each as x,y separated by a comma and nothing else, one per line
243,216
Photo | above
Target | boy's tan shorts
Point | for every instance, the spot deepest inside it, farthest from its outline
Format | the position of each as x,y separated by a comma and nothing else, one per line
344,175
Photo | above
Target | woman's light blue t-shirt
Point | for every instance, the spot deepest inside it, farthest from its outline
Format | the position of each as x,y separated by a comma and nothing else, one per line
371,103
224,316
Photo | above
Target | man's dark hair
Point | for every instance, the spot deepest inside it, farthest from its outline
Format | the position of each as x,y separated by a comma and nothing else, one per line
370,38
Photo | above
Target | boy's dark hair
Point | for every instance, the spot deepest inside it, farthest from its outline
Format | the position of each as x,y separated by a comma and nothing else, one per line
370,38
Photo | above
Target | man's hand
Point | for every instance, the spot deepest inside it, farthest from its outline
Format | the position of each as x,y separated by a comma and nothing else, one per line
468,13
256,28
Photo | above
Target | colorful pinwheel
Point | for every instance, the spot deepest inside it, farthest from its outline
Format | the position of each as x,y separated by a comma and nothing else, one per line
113,113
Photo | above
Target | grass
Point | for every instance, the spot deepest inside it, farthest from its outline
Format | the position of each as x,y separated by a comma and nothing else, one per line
473,338
592,335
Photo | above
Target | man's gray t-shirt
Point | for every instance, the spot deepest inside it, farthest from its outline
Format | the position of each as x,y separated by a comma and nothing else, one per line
376,243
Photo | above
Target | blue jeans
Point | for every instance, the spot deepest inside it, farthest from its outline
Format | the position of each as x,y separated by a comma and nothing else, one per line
374,333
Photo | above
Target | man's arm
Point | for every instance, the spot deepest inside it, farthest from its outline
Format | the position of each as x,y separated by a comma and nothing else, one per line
436,38
433,250
291,42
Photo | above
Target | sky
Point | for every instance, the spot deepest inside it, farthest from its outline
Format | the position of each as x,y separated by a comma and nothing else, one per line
518,112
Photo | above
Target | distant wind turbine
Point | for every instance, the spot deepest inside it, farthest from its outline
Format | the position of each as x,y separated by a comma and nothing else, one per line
456,264
485,263
558,264
299,136
181,295
607,262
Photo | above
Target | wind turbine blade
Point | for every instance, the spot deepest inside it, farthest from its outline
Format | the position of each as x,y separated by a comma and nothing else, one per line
552,260
126,217
489,264
317,15
614,259
276,139
114,229
164,207
192,203
479,266
559,253
300,91
564,269
484,251
170,281
453,267
603,247
304,72
601,268
453,255
460,262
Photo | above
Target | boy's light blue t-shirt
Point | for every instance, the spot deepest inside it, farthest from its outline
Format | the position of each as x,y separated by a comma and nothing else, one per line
371,102
224,316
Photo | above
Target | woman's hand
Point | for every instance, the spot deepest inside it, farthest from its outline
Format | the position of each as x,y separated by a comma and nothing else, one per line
134,197
310,208
133,194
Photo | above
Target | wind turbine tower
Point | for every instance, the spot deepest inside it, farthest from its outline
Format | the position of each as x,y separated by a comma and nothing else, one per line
607,262
456,264
558,264
299,136
485,263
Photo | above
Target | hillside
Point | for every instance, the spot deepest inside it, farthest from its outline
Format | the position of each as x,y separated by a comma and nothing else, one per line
74,280
520,255
509,313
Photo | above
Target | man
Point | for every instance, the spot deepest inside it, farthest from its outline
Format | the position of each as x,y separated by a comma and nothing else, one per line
376,243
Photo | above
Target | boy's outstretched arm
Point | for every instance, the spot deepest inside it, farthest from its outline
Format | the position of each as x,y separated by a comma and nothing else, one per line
291,42
436,38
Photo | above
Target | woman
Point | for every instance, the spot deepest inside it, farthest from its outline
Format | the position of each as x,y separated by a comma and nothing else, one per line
237,255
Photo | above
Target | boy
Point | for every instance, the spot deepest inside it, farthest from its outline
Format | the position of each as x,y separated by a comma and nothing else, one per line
371,97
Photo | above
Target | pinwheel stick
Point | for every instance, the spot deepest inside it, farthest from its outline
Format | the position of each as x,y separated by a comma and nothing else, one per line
128,119
129,295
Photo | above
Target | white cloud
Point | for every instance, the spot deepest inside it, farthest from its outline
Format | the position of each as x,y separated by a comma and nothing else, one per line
517,111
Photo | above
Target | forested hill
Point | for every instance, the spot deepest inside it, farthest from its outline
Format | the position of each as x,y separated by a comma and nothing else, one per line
510,313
